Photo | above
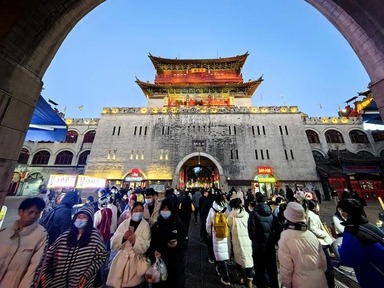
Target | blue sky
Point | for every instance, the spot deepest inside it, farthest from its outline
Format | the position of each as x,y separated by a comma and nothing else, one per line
305,61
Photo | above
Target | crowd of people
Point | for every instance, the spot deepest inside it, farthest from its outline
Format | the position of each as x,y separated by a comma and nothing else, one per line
113,241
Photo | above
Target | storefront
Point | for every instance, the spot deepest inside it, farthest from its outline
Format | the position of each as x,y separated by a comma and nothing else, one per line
264,180
346,170
135,178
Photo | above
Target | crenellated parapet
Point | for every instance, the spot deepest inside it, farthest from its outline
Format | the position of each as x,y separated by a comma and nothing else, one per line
82,121
332,120
202,110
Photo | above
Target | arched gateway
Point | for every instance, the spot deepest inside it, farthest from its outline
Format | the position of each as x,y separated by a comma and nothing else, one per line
198,169
32,31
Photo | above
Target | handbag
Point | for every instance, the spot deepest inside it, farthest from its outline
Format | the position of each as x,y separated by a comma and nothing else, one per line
193,207
128,268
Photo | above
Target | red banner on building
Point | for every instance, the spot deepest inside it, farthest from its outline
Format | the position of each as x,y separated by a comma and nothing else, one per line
264,170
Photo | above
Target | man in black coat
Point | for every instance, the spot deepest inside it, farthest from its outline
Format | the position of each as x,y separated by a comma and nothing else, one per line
264,253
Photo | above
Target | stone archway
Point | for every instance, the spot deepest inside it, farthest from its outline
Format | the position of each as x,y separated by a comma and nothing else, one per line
32,31
216,163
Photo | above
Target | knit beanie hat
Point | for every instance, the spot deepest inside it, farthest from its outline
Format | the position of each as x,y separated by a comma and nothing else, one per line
294,213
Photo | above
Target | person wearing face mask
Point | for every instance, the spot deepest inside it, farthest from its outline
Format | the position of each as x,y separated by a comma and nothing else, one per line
151,206
74,259
168,242
131,239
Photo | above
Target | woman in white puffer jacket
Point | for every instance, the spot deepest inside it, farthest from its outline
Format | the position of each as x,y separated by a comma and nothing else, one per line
302,260
241,243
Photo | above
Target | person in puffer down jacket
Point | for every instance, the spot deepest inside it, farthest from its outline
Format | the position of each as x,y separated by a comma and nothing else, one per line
301,256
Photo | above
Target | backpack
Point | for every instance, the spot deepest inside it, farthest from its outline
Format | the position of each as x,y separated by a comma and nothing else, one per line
47,219
105,224
220,224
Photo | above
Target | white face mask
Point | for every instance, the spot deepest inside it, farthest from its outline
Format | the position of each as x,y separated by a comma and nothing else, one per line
165,214
137,216
80,223
148,201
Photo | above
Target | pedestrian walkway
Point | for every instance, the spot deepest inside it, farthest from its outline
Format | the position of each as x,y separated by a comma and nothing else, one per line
201,273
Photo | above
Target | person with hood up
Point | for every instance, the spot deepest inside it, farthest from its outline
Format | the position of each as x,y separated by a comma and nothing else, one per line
74,259
301,256
168,242
263,247
61,219
242,245
131,239
22,247
220,245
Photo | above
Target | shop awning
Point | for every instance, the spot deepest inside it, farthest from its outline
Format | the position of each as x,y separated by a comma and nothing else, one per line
46,124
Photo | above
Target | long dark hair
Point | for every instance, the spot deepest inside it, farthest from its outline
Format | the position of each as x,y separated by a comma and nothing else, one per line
84,238
236,204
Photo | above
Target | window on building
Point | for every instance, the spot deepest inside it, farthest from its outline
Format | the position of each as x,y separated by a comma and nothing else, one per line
286,130
378,136
83,158
318,156
253,130
118,131
334,136
41,158
267,154
258,130
281,130
263,130
23,156
89,137
231,154
256,155
286,154
71,137
365,154
292,155
135,130
141,128
262,154
312,136
229,130
237,154
234,130
358,136
64,158
145,130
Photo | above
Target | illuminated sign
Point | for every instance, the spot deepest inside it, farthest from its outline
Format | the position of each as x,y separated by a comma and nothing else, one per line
267,180
63,181
264,170
198,70
90,182
133,179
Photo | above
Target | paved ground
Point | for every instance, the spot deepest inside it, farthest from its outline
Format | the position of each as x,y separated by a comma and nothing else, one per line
199,272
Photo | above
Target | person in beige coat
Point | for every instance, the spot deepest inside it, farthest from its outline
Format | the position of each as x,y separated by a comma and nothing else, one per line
241,243
302,260
132,239
22,247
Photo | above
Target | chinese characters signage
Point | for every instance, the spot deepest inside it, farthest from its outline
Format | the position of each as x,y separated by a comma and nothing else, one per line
198,143
90,182
64,181
264,170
